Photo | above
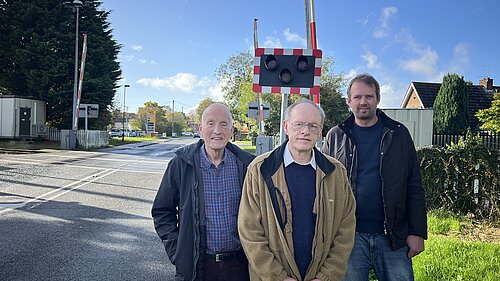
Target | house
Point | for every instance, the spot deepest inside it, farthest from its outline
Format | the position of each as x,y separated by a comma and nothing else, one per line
422,95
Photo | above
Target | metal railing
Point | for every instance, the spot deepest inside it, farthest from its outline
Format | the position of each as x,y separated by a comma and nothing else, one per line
85,139
489,139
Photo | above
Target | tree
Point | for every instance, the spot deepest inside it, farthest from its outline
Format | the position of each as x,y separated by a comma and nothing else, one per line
332,102
140,119
490,117
201,107
451,106
236,76
37,57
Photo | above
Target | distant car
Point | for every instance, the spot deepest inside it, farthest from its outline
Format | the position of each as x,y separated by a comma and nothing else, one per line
187,134
196,135
115,133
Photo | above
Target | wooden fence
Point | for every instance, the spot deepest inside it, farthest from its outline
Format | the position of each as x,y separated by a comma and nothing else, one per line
490,140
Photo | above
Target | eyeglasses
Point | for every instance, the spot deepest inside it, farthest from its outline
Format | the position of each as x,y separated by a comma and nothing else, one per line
313,127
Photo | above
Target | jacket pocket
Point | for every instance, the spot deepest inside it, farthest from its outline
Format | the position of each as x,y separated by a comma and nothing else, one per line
170,248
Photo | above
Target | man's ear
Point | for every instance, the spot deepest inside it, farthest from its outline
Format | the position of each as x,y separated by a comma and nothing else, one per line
285,126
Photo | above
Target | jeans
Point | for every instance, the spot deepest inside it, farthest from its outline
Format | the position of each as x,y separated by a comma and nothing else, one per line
373,251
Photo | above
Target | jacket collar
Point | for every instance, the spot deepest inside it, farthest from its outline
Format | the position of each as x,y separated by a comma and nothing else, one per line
273,162
189,152
386,120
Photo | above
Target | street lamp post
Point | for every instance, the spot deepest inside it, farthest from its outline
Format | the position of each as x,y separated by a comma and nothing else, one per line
76,6
123,119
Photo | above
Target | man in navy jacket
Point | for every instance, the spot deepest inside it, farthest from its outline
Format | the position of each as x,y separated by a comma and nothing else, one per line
196,208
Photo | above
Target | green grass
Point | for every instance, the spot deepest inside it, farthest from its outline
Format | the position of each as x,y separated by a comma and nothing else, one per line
449,258
246,145
442,222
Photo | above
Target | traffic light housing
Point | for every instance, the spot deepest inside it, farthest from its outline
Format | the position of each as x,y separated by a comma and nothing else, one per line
288,71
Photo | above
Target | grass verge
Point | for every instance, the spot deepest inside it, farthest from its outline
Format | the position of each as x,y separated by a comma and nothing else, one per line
458,249
246,145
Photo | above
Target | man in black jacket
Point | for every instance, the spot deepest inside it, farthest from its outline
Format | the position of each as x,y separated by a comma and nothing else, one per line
196,208
382,165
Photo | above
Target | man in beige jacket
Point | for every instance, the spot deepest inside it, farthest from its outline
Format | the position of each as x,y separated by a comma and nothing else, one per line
296,219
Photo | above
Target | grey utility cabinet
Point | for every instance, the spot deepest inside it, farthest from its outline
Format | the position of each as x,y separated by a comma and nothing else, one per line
21,117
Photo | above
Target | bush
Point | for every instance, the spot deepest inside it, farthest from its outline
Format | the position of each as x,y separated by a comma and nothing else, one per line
464,178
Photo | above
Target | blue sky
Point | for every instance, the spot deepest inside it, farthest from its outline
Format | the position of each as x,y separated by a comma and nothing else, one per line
171,49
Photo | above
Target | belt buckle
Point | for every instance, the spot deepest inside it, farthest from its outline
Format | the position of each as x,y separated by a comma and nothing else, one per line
218,257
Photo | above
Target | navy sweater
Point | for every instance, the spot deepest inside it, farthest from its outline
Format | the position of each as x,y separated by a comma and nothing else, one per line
369,206
301,182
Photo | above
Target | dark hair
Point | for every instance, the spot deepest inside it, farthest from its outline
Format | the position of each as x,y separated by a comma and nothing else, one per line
366,79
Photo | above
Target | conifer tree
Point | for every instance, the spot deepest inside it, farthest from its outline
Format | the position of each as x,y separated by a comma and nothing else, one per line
37,53
451,106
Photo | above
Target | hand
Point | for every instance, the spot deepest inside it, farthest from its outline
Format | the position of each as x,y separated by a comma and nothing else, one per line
415,245
289,279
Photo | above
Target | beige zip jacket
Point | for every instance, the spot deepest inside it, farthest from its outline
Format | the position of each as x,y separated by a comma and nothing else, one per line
269,249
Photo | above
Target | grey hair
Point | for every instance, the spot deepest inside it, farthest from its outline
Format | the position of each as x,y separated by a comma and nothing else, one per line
303,100
228,112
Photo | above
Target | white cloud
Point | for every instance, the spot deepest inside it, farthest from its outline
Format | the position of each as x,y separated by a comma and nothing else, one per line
215,92
271,42
371,60
186,83
294,38
152,62
142,61
382,30
137,48
351,74
461,58
389,97
366,20
275,41
129,58
425,64
425,61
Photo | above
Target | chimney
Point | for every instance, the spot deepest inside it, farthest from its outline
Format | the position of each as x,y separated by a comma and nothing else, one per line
487,82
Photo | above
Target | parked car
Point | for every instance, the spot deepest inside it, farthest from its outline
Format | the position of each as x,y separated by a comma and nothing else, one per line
140,134
196,135
115,133
187,134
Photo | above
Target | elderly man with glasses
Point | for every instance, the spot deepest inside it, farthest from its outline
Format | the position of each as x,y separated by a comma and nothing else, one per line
296,219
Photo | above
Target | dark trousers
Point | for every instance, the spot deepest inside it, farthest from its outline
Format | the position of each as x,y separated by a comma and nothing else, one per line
232,269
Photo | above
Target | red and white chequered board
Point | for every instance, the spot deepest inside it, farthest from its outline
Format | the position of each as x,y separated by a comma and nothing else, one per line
287,90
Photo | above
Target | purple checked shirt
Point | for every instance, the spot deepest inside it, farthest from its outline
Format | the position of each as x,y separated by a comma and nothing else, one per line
222,199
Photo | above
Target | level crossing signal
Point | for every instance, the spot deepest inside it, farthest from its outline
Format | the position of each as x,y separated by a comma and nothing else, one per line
288,71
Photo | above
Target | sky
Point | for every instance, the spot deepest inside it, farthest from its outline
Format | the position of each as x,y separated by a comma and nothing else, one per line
170,49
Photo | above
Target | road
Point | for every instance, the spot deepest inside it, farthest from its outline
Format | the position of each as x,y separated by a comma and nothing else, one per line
76,215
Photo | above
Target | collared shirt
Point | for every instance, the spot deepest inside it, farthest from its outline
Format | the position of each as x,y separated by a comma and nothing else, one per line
288,159
222,199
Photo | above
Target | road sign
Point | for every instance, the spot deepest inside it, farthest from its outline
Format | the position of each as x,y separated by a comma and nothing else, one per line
88,110
150,123
253,110
287,71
